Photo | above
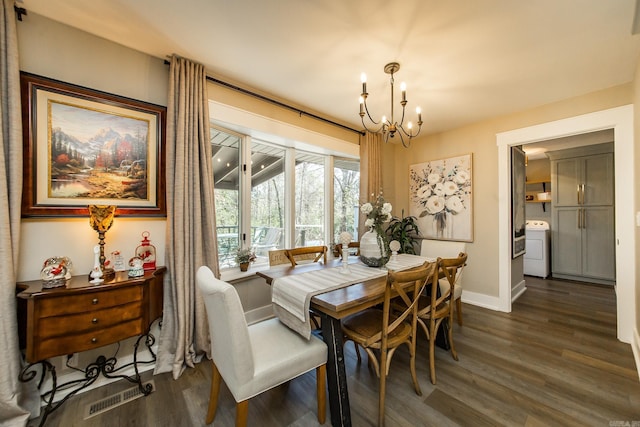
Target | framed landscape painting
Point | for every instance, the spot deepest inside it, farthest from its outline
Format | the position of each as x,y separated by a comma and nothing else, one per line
85,147
440,197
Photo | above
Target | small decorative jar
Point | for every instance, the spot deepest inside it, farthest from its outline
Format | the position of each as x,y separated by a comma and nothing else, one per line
146,252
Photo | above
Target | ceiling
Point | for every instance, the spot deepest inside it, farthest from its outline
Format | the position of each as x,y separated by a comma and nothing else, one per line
463,61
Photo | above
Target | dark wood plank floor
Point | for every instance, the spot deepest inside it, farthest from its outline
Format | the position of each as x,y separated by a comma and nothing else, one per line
553,361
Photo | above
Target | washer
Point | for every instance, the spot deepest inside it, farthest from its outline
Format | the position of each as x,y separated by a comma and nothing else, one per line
537,246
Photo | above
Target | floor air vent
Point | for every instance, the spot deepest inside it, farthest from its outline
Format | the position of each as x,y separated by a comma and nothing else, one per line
117,399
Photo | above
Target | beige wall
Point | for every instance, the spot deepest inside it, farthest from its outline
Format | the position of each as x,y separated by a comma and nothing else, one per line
60,52
480,139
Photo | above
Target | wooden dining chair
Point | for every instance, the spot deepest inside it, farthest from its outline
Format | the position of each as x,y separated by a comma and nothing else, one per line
437,305
447,249
253,359
307,253
381,331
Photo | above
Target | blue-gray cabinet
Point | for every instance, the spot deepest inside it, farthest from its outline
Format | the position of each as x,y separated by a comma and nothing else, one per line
582,215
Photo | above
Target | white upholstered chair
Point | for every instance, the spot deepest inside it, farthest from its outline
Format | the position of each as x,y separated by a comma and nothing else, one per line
447,249
253,359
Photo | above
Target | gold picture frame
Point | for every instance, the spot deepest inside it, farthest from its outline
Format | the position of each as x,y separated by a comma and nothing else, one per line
85,147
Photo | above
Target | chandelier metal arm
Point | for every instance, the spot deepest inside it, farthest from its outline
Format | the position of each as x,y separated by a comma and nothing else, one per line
388,126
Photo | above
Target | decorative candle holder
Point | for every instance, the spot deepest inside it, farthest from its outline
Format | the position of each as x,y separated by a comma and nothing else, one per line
394,246
345,258
101,219
345,238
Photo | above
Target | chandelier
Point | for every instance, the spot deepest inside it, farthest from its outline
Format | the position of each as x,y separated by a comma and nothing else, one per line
389,127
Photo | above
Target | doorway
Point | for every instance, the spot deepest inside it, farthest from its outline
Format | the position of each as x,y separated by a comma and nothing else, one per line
619,119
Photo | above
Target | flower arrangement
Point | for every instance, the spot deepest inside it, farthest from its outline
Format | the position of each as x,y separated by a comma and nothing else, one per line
378,213
245,255
439,191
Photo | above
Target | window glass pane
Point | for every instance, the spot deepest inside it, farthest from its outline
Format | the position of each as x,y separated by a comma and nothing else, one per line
309,207
346,191
226,176
267,199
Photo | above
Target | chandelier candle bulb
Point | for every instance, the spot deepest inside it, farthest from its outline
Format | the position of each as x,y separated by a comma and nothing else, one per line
403,88
363,79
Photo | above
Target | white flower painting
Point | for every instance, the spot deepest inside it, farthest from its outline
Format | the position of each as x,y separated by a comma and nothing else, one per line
440,197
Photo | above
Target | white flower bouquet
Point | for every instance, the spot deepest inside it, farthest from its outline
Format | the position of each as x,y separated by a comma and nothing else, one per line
439,191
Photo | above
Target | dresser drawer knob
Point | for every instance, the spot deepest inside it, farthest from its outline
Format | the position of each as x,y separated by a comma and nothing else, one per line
94,301
94,340
94,320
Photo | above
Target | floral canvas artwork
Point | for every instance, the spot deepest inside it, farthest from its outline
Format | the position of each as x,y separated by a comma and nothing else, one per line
441,198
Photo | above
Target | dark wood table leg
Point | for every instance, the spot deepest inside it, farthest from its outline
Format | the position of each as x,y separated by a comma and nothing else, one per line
442,339
336,373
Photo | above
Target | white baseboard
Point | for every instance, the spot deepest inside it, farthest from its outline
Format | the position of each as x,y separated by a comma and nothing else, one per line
518,290
481,300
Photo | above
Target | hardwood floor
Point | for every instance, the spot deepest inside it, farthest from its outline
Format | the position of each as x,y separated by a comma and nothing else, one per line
553,361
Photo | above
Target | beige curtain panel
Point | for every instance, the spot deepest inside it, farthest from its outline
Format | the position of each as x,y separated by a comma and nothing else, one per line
370,171
13,396
191,240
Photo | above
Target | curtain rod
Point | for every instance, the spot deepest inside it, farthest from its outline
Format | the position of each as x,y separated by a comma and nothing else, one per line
278,103
281,104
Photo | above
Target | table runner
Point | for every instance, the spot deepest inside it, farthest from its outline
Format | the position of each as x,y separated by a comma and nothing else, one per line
291,295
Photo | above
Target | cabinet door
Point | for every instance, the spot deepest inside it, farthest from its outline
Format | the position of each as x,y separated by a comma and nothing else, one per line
567,179
598,243
566,242
597,173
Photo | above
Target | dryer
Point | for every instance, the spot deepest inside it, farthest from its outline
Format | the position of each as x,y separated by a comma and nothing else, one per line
537,258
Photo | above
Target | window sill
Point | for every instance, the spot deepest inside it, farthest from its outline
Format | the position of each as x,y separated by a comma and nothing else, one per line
234,273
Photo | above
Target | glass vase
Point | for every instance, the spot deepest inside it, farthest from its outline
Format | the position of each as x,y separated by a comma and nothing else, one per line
372,249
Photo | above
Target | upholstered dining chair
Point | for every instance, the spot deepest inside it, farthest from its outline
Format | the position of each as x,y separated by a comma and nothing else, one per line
447,249
381,331
307,253
253,359
436,306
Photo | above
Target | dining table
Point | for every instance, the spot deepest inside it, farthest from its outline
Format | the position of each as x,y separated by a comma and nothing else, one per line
332,306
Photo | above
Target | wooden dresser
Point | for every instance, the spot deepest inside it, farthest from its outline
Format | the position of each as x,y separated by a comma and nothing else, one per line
81,316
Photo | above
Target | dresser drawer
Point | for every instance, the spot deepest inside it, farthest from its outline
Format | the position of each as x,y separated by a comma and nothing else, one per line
75,323
56,346
89,301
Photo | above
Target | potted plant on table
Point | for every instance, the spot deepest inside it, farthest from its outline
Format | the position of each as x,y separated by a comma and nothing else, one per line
404,230
244,256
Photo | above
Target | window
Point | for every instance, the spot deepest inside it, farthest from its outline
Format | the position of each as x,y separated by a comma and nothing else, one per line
258,200
267,198
346,192
226,181
310,200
